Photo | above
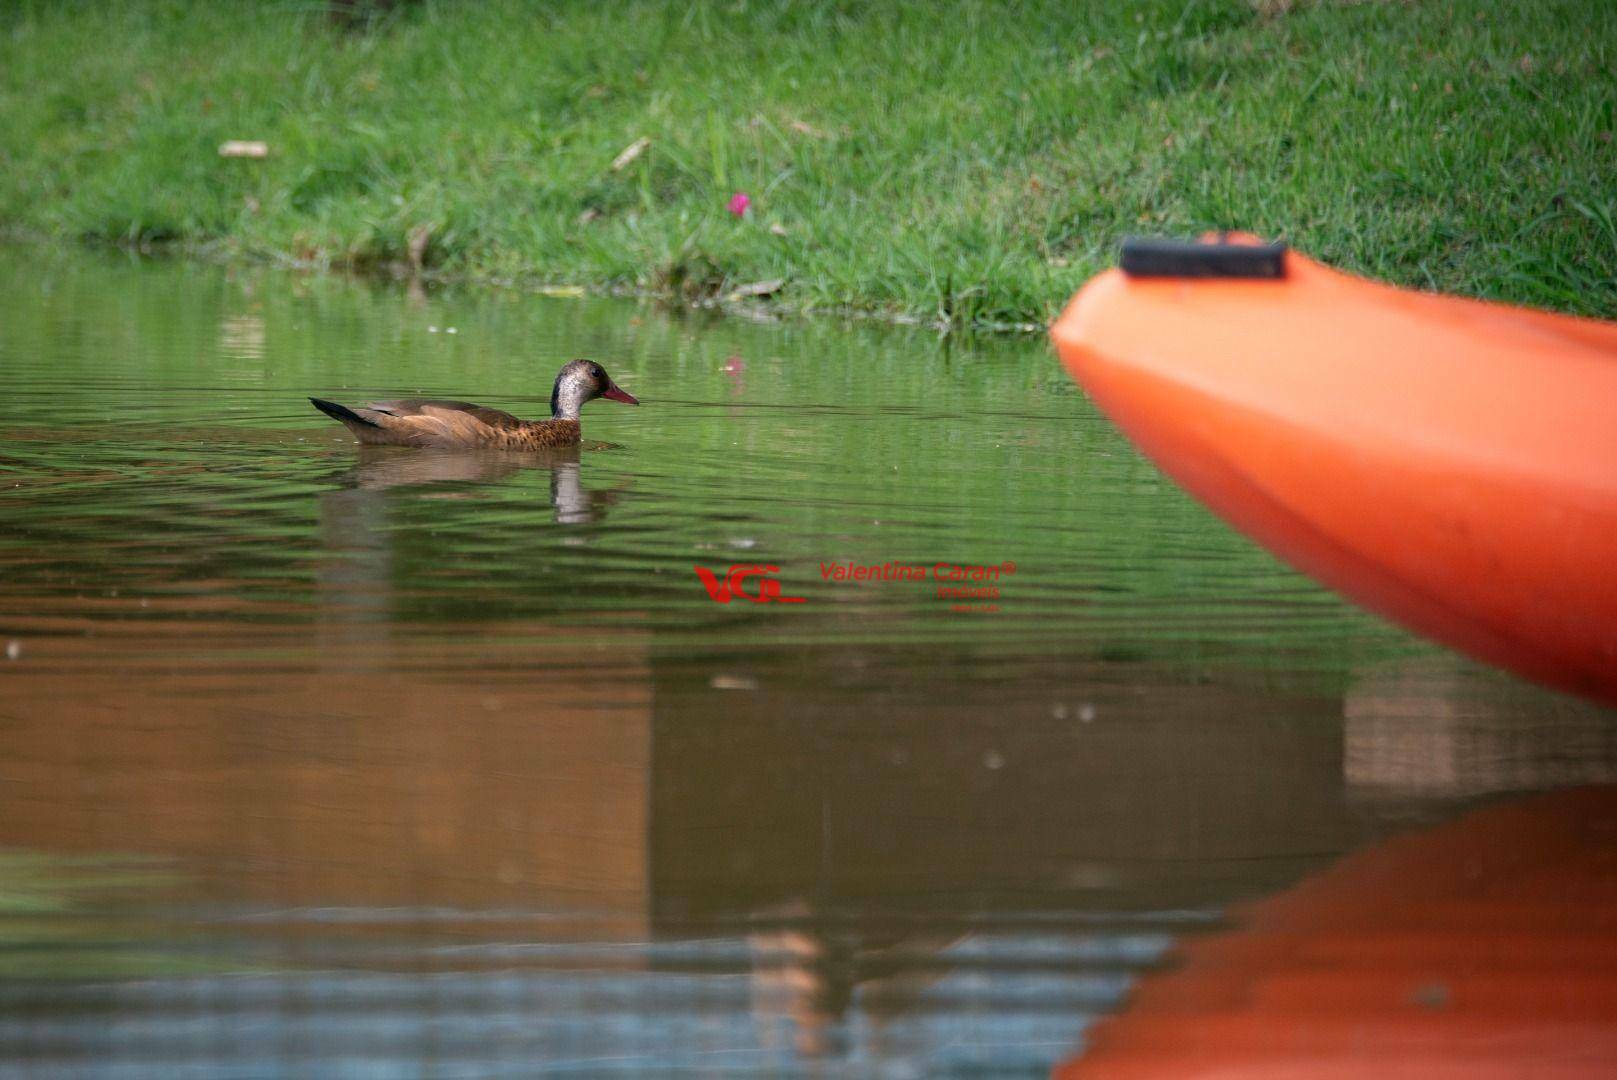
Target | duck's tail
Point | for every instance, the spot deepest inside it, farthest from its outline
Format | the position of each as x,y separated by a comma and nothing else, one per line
341,412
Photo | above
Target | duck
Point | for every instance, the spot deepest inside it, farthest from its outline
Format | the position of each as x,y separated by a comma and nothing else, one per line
464,426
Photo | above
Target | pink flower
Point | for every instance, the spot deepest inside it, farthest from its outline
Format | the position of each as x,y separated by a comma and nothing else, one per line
738,204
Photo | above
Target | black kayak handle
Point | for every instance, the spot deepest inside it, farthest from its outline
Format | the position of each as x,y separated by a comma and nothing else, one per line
1146,256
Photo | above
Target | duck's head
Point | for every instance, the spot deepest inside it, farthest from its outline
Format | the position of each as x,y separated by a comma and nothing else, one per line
580,381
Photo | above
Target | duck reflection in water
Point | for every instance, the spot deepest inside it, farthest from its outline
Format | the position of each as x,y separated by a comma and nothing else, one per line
379,468
367,521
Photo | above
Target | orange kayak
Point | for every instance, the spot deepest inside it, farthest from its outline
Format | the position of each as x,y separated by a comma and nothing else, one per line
1448,463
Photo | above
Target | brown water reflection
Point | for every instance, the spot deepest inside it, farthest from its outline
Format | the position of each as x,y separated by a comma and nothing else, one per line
369,779
1436,728
1029,833
607,778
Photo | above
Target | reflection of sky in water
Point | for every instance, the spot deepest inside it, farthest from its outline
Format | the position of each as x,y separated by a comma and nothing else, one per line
974,1009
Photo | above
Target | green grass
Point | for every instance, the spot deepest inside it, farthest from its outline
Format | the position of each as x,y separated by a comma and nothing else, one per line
963,161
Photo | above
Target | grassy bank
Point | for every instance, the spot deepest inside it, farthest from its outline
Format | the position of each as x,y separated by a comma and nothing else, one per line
966,161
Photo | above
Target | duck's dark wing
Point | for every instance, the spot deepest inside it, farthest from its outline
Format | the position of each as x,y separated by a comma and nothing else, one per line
408,407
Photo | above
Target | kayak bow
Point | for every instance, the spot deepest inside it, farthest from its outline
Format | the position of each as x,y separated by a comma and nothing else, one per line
1448,463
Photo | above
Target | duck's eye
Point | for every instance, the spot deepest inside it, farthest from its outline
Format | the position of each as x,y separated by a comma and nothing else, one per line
598,371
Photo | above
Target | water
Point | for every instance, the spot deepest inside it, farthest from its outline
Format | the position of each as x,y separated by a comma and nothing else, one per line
329,761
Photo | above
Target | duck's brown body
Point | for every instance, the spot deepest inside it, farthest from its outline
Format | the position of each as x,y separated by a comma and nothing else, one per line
459,424
415,422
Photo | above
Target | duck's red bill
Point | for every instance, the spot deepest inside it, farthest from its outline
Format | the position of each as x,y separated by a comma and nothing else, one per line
614,394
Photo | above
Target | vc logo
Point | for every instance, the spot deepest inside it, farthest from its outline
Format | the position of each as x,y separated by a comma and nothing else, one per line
734,583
